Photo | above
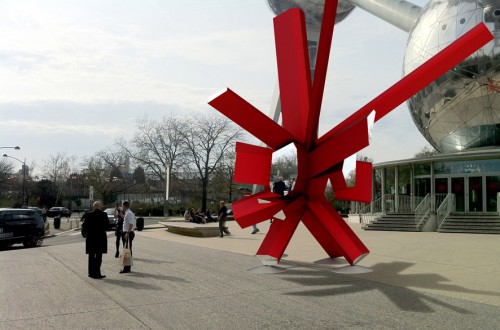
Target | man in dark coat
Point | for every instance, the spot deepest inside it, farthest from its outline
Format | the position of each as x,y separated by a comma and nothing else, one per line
96,242
279,187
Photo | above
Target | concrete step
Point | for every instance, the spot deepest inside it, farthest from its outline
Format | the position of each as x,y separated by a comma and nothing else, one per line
392,229
468,231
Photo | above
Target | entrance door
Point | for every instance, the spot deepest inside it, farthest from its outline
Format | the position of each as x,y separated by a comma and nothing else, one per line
475,194
440,191
458,188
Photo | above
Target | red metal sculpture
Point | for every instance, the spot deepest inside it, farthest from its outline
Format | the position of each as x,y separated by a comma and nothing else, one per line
319,159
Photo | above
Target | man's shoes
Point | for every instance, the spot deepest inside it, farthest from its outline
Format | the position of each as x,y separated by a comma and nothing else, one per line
117,254
221,236
255,231
98,277
124,271
228,233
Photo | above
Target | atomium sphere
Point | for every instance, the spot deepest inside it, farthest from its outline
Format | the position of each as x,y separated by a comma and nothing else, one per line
461,109
313,10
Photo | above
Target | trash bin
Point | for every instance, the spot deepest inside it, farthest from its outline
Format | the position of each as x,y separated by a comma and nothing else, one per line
140,224
57,222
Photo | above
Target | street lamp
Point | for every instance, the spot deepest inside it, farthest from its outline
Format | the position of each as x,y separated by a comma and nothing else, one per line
16,148
25,202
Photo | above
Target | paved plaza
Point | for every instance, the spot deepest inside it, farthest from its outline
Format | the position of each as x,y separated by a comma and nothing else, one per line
418,281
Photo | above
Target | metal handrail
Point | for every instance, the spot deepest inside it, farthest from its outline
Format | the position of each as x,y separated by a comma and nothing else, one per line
422,210
446,207
498,203
368,214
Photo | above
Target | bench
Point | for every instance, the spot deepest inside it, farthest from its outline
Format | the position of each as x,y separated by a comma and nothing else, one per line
193,229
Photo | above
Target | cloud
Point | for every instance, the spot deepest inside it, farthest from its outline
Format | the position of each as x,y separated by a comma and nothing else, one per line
47,57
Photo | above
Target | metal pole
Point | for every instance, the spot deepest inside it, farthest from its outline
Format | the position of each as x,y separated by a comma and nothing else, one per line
167,182
24,184
400,13
167,186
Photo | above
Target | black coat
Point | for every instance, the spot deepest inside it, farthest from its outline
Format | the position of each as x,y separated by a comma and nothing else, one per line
96,223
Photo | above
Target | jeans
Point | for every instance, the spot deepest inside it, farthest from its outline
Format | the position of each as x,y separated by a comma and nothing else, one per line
223,228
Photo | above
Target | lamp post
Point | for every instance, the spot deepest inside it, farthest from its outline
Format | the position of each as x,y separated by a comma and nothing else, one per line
24,201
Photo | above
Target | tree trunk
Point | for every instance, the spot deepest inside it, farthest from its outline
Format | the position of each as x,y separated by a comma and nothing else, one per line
204,184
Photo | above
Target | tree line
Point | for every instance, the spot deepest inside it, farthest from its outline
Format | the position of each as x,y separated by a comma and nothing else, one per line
197,150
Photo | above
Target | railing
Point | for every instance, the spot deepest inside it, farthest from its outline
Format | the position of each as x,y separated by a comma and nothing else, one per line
405,204
498,203
422,210
438,200
447,206
371,211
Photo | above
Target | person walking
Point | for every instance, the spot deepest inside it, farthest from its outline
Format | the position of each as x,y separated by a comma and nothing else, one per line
96,242
255,229
128,231
221,216
279,187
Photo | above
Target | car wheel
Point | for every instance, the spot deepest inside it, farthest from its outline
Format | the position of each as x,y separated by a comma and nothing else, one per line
84,232
33,241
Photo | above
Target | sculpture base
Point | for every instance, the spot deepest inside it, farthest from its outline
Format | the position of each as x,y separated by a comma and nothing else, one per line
352,270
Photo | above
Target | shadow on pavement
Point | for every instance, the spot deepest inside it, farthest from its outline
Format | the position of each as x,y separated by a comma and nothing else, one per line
153,261
157,277
133,284
403,298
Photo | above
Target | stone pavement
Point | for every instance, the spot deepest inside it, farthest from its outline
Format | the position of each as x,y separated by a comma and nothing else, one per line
464,266
419,281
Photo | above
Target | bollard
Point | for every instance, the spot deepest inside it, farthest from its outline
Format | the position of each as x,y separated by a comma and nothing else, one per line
140,224
70,225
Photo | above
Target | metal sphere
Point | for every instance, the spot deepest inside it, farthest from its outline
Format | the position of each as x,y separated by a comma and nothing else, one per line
460,110
313,10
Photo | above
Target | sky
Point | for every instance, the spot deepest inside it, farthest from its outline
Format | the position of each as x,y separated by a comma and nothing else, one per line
77,75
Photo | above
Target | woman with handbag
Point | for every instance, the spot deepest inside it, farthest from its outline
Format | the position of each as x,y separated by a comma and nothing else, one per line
128,232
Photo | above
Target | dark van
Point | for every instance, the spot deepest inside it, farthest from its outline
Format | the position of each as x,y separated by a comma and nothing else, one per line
21,226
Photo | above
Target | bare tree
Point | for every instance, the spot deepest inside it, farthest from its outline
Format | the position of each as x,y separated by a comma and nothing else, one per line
426,151
6,169
222,180
57,169
285,166
156,146
104,171
208,138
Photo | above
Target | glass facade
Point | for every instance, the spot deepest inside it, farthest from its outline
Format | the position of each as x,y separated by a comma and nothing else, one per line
474,183
423,169
389,182
492,188
404,180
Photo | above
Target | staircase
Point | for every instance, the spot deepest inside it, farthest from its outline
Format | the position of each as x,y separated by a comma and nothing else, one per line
394,222
477,223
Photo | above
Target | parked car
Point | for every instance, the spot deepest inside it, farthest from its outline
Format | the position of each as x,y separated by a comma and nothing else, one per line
24,226
111,217
44,218
58,211
112,221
